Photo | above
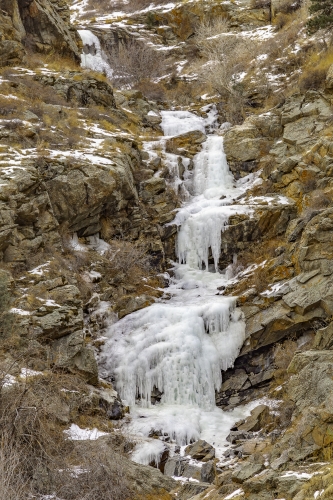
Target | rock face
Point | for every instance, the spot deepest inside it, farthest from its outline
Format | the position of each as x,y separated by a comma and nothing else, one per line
42,24
80,90
11,49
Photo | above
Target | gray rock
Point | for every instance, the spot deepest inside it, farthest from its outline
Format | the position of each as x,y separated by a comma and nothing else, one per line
199,450
80,89
192,471
190,490
208,472
235,436
256,420
265,480
175,466
245,472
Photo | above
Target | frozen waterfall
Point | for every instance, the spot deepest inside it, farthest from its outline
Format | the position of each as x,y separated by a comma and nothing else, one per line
178,346
93,56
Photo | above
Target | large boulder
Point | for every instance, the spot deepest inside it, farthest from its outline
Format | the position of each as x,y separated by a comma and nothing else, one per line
46,28
244,143
200,450
80,88
186,143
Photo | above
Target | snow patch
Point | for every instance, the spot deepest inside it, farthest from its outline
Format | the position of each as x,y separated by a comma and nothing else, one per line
75,433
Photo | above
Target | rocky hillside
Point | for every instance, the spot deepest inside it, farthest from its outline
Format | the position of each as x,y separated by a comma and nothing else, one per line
86,237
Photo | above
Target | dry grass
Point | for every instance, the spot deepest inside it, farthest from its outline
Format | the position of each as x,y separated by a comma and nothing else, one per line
35,457
315,68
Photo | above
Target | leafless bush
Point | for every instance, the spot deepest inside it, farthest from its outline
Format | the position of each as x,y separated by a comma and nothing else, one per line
13,484
134,63
281,20
227,56
312,79
261,279
128,258
35,457
152,91
12,124
93,479
120,5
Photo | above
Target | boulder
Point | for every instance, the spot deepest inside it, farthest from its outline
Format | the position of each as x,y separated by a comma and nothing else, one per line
244,143
324,338
151,188
256,420
265,480
128,304
189,490
80,89
186,143
300,132
246,472
208,472
174,466
107,398
200,450
47,29
11,34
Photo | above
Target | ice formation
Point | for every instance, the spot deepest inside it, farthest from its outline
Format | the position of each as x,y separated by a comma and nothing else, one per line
178,347
93,56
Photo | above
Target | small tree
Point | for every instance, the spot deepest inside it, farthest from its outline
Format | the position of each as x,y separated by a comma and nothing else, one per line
323,15
134,62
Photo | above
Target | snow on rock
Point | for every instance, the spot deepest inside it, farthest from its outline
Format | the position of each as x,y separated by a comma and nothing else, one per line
26,372
21,312
75,433
235,494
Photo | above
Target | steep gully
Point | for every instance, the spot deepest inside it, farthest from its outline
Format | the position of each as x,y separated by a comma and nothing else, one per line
166,359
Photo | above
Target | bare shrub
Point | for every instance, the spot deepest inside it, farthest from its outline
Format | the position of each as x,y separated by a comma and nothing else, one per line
227,55
128,258
152,91
261,279
119,5
94,479
312,79
134,63
281,20
13,484
35,457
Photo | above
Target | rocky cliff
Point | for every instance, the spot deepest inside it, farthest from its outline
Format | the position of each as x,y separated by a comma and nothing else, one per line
86,237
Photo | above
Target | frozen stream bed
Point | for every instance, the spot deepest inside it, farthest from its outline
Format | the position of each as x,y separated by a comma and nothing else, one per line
177,347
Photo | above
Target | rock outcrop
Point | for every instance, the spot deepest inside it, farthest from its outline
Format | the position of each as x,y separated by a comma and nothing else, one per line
39,24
